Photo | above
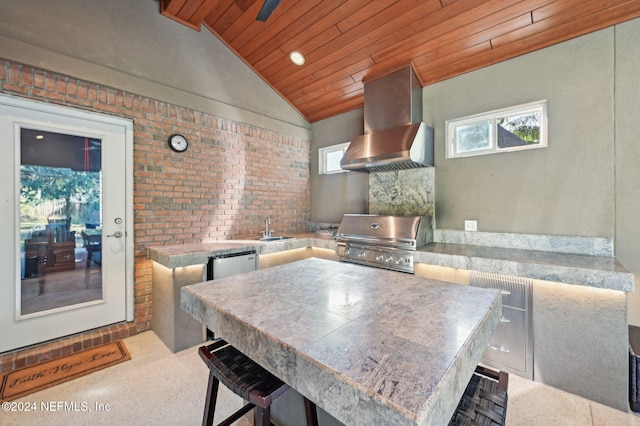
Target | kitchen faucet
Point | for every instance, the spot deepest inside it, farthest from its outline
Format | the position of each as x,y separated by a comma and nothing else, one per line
266,233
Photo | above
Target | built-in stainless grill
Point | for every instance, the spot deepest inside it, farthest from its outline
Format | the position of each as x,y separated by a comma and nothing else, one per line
383,241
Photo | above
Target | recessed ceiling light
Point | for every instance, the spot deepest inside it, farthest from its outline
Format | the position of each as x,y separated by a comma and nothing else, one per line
297,58
39,137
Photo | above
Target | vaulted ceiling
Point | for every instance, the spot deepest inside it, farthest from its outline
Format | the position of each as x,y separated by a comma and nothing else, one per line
346,41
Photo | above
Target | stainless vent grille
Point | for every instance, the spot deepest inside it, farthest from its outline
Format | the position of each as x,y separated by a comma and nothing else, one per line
390,167
518,288
511,346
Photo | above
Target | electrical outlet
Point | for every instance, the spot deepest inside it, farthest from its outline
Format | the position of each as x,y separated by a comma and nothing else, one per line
471,225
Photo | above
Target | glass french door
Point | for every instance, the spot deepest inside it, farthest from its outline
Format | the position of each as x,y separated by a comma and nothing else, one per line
65,265
60,220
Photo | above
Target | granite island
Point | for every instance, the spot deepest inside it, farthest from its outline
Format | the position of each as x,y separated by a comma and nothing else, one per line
367,346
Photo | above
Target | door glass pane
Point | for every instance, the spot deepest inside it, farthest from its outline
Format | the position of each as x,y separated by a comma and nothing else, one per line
60,220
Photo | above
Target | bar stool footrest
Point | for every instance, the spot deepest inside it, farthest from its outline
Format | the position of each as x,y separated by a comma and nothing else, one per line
245,378
484,402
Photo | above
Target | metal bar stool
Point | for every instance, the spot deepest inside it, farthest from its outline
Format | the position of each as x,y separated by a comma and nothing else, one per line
484,402
246,379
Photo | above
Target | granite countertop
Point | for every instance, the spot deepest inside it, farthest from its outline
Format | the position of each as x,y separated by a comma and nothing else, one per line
364,344
593,271
178,255
175,256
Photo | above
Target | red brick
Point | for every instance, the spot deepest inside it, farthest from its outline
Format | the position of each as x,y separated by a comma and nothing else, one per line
77,344
20,362
27,76
14,73
38,79
66,348
15,88
61,86
7,362
72,87
50,82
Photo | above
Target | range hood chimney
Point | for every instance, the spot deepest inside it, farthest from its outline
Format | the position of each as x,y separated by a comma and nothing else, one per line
395,137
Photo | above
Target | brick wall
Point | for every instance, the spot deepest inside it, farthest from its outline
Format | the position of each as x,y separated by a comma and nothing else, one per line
232,176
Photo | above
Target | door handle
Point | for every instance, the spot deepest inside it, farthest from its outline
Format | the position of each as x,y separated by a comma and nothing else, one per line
117,234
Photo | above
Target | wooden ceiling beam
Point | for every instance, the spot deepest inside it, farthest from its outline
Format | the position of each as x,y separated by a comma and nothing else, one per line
589,14
461,40
440,58
312,37
288,26
325,109
171,7
284,14
244,21
345,92
359,42
321,88
222,16
345,42
455,23
189,8
364,11
350,72
205,8
516,46
558,7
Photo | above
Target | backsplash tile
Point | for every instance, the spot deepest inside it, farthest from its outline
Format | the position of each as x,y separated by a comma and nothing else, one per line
592,246
403,192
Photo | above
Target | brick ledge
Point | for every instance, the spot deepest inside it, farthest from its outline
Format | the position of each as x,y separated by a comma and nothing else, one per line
10,361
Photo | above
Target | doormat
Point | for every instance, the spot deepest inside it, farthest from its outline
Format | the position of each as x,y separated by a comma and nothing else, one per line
27,380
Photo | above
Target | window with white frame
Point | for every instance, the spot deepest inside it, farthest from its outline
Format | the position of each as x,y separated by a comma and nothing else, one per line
329,158
508,129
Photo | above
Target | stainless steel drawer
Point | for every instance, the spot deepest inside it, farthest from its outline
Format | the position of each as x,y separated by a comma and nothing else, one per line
507,351
513,323
511,345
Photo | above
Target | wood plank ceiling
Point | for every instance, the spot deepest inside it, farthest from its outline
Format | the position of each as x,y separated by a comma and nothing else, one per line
348,41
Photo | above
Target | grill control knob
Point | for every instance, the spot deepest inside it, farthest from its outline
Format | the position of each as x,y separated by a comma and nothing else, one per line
399,261
362,255
347,252
380,257
389,259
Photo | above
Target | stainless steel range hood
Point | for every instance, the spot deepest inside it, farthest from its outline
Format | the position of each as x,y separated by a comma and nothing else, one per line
395,137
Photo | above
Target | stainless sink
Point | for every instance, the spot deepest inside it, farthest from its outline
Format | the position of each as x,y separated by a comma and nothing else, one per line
278,238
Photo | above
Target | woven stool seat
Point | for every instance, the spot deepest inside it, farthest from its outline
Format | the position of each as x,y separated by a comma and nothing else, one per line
245,378
484,402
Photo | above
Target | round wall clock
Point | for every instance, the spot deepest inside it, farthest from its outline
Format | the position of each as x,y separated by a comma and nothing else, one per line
178,143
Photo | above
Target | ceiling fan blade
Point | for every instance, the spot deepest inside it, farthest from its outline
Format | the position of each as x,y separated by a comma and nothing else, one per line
267,9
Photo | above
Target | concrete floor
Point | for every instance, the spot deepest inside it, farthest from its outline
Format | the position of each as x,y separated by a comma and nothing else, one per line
161,388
